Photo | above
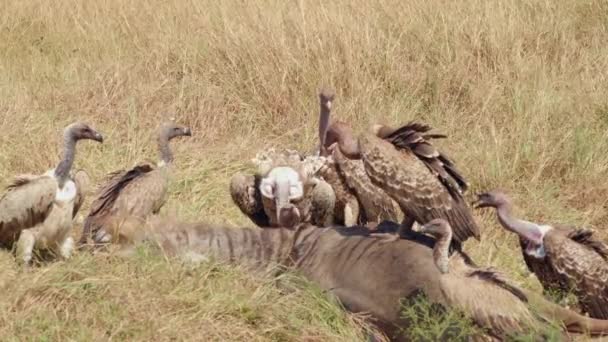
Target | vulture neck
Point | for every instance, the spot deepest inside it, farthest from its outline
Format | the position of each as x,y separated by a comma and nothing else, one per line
528,230
441,251
62,171
323,127
166,156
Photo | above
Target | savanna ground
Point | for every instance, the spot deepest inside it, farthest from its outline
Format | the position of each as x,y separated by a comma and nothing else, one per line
520,87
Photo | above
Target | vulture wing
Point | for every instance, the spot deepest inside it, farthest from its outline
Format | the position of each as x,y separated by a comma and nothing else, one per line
377,205
585,237
413,137
421,193
82,181
544,271
26,203
105,203
584,268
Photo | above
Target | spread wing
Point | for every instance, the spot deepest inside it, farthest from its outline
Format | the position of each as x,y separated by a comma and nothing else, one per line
419,191
82,181
106,202
26,203
585,269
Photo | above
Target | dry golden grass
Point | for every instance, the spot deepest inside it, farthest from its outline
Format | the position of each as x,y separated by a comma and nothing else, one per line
519,86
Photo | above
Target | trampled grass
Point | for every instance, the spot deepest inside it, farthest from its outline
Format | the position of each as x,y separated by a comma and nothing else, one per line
519,86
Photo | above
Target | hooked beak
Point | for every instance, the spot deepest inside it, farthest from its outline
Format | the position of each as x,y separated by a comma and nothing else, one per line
479,202
98,137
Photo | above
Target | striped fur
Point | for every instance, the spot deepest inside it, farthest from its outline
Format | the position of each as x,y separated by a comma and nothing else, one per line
365,274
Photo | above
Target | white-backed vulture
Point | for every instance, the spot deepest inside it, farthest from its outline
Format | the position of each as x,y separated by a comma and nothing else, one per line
37,211
358,200
138,192
561,257
283,191
422,180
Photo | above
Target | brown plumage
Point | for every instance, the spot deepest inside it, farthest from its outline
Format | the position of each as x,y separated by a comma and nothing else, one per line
37,211
373,277
358,199
561,257
422,180
138,192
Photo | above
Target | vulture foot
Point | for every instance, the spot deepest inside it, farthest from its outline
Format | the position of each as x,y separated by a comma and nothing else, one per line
66,248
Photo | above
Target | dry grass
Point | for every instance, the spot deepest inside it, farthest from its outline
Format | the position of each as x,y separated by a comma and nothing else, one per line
520,87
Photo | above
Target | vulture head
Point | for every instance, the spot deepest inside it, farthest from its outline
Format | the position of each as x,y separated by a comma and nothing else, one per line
531,233
438,228
78,131
441,230
171,130
284,186
494,198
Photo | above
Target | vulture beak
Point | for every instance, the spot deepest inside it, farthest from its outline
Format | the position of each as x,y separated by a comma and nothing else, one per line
479,202
98,137
187,132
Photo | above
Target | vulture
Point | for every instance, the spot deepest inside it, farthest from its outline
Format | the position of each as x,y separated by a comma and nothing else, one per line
468,287
358,200
421,179
284,192
135,193
37,211
561,257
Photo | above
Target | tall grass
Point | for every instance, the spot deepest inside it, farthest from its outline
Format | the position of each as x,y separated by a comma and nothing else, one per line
519,86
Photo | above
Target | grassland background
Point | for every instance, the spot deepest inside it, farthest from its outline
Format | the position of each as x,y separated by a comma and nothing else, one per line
520,87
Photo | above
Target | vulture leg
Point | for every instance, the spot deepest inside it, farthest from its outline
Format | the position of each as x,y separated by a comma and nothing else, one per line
323,204
25,246
351,212
244,190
